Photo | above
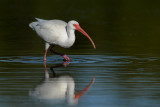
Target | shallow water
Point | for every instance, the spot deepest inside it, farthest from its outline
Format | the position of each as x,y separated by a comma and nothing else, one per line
120,81
125,64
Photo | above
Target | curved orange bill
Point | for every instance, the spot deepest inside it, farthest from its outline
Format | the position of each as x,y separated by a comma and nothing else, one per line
83,32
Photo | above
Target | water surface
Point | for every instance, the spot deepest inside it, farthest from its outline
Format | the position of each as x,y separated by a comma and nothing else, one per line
119,80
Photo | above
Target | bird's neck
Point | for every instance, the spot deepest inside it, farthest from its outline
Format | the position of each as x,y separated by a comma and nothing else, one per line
71,36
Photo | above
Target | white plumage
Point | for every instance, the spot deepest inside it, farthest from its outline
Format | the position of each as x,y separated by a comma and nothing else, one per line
57,32
58,89
52,32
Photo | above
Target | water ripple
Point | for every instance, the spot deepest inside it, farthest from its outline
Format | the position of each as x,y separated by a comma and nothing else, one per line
112,60
57,59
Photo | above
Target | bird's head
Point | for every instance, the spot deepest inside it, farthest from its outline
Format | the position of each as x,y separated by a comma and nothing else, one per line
75,25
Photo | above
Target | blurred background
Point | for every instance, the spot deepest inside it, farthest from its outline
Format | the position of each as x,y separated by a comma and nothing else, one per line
125,63
116,26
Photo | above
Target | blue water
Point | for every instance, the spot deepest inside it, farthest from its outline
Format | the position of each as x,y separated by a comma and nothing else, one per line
120,81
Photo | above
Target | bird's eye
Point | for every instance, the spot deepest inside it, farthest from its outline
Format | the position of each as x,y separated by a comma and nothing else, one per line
74,24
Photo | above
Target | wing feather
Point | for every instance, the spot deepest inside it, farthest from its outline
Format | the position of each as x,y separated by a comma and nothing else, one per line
50,30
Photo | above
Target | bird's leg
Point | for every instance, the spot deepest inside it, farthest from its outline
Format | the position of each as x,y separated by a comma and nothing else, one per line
66,58
46,72
46,48
44,59
51,49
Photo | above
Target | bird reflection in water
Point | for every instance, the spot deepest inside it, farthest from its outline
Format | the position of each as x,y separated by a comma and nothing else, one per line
58,89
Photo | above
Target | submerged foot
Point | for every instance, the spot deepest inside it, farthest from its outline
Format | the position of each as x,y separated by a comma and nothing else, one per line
65,63
66,58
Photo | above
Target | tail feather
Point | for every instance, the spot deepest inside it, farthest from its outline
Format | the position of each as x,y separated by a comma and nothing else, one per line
40,20
33,25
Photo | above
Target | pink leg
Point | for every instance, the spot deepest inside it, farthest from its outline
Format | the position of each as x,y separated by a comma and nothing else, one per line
45,66
66,58
44,59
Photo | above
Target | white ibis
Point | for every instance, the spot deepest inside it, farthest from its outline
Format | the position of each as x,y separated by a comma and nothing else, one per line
57,32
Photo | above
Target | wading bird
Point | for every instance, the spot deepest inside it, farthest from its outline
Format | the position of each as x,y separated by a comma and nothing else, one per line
57,32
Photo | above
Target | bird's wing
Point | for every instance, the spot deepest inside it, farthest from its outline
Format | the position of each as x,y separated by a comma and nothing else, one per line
55,27
50,30
49,24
